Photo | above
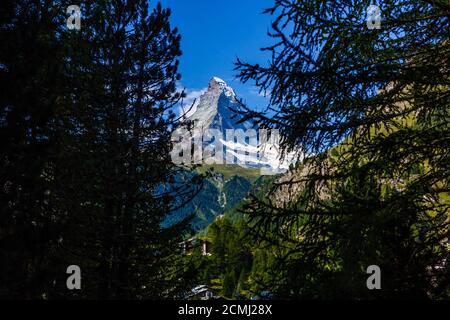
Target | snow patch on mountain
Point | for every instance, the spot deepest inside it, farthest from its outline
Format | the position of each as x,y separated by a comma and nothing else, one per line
213,110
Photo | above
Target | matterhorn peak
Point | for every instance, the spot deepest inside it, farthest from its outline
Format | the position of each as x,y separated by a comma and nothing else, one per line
215,112
218,86
216,80
214,108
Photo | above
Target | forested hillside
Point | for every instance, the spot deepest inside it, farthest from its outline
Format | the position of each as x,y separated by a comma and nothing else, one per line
223,187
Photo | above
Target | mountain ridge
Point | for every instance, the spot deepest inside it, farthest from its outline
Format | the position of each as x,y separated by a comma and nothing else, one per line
213,110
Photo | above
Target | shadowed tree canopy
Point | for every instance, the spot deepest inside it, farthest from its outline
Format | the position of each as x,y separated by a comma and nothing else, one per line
371,110
86,121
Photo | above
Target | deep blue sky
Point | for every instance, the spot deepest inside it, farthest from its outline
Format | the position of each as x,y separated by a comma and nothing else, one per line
216,32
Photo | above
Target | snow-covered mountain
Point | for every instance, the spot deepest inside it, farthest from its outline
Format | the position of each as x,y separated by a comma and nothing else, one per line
213,108
230,184
247,147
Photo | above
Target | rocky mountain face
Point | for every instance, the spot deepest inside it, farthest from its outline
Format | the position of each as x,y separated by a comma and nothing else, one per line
227,187
213,110
240,142
216,125
231,182
251,159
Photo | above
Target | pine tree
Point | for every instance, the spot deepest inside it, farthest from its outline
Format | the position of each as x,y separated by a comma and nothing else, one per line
87,120
370,108
119,155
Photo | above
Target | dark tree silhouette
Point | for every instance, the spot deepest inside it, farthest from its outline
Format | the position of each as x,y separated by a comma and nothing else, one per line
87,120
32,84
370,108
